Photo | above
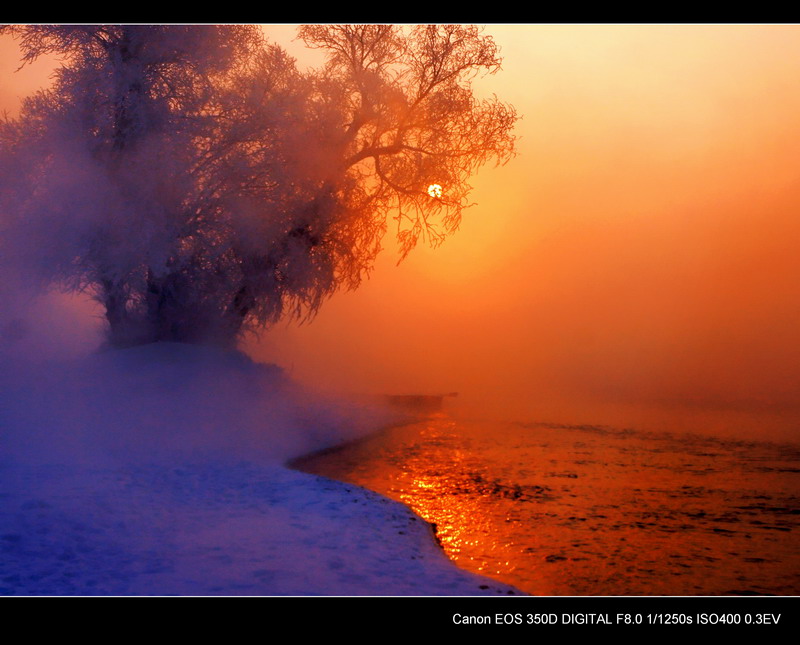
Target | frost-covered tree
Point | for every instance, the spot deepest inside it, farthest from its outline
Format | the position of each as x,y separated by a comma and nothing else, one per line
199,185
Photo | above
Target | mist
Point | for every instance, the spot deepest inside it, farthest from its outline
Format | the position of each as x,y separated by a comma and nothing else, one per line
634,265
38,323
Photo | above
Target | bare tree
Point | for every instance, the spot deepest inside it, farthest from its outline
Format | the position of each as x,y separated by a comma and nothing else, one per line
200,185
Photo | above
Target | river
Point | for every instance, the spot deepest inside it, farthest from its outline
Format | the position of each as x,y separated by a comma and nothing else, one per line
592,510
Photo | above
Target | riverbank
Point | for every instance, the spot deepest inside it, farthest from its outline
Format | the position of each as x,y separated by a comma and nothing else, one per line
160,471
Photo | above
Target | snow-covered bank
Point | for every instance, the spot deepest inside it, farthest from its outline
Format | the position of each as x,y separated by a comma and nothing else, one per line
159,470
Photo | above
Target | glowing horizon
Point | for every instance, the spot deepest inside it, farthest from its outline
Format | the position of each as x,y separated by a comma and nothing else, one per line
634,263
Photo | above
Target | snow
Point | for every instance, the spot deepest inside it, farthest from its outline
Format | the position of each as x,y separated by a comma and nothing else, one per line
160,470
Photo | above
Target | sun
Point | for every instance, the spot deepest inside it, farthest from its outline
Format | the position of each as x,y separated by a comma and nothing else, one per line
435,191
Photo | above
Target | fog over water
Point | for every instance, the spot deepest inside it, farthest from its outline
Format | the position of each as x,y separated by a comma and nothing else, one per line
635,265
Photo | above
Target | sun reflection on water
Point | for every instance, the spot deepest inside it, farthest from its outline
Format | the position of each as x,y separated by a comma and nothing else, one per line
582,511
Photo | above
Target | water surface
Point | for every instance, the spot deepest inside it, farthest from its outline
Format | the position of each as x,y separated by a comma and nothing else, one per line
593,510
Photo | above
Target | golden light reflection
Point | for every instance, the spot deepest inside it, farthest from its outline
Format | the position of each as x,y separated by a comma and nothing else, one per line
560,511
447,487
435,191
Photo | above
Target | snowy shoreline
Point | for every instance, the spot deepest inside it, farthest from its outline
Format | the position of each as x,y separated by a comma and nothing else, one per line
149,472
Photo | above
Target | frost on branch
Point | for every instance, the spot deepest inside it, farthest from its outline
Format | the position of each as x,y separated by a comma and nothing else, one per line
199,185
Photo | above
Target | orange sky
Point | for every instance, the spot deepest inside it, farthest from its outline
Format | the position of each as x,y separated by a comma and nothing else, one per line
635,264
